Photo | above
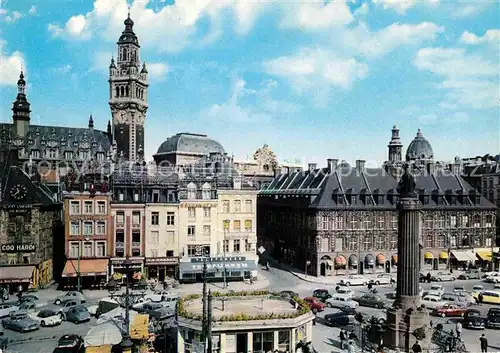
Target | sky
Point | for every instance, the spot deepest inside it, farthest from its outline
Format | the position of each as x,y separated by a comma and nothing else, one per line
312,79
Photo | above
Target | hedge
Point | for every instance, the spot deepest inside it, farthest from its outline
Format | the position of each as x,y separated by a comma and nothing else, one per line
303,307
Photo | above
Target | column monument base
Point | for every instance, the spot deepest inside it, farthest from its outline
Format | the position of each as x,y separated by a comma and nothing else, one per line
402,323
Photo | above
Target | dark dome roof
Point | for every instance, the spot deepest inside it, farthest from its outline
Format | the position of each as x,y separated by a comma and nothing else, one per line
419,148
128,35
190,143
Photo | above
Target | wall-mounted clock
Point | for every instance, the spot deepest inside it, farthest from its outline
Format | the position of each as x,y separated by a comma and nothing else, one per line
18,192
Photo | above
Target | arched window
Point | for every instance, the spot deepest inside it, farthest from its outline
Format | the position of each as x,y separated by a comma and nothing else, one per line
124,54
122,91
137,92
127,91
117,91
191,191
133,55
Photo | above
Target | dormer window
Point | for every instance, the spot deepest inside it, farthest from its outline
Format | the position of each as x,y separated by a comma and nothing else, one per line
368,199
83,154
440,200
100,156
426,199
35,154
68,155
453,199
352,199
380,199
191,191
51,153
42,142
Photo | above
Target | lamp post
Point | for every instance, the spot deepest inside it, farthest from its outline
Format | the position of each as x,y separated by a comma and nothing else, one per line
226,227
307,264
126,299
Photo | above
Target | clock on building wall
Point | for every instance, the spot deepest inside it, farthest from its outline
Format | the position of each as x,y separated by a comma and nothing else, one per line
18,192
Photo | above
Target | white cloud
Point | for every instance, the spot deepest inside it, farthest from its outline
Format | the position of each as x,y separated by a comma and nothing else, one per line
10,66
32,10
64,69
316,15
468,79
314,66
443,117
76,28
402,6
13,16
374,44
157,71
492,36
471,8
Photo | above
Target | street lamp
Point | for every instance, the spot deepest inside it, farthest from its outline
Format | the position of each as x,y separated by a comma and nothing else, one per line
226,227
126,299
307,264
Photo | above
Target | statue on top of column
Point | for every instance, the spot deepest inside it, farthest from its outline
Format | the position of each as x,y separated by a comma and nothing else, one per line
407,185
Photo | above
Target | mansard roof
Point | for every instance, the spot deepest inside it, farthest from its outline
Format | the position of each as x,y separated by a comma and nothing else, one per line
325,186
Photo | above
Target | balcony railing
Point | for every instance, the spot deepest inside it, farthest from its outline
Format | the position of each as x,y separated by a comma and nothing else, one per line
136,244
119,244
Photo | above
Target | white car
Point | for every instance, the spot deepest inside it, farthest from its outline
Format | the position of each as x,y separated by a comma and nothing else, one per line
354,280
383,278
6,309
437,288
433,302
345,291
494,277
443,276
340,301
47,317
70,295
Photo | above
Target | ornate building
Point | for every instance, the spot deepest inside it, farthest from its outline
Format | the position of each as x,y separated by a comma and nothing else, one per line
30,229
128,95
344,219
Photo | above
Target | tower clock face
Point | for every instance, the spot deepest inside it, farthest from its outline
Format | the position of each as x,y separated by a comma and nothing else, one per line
18,192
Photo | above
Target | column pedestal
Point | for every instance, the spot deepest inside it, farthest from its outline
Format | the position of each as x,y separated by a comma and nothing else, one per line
402,324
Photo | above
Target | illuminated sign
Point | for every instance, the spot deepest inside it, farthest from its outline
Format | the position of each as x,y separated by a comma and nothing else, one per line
15,248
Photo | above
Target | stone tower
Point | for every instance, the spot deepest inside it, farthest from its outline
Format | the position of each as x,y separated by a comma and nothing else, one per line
21,109
395,146
128,87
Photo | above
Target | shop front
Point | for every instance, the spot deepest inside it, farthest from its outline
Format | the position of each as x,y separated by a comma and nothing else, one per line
14,276
45,272
237,268
162,267
93,272
135,270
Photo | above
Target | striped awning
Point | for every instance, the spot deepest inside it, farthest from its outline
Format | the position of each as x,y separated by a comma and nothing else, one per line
463,256
86,267
340,260
16,274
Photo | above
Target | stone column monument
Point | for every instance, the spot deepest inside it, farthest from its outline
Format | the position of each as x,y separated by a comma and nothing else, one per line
407,321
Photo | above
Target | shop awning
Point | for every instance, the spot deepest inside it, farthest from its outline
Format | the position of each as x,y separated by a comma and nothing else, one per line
369,260
88,267
340,260
380,259
353,260
428,256
16,274
395,258
463,256
443,255
484,255
197,267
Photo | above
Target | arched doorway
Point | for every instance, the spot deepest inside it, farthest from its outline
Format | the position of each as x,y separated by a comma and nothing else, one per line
322,269
325,265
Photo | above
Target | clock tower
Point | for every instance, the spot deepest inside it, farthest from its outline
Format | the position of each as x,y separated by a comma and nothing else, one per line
128,87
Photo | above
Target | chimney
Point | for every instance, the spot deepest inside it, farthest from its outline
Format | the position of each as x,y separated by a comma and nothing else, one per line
312,166
332,164
360,165
431,168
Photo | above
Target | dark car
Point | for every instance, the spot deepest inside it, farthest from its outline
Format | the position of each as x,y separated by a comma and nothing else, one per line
470,274
78,314
493,318
20,322
70,344
422,278
288,294
322,294
148,307
370,299
474,320
339,319
28,297
348,310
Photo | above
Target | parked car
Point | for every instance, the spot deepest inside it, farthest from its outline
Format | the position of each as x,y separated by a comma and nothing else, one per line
78,314
462,298
437,288
30,307
443,276
474,320
341,301
470,274
70,295
64,307
344,290
432,301
383,278
321,294
477,288
339,318
493,277
70,344
288,294
422,278
489,296
28,297
7,309
162,313
370,299
47,317
146,308
493,318
354,280
457,289
451,310
314,304
21,322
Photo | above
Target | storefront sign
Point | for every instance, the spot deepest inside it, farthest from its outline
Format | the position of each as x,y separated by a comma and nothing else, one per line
120,262
18,208
201,204
219,259
15,248
151,261
220,265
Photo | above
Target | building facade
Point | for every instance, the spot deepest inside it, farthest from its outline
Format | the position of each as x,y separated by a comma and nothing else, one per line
342,219
30,229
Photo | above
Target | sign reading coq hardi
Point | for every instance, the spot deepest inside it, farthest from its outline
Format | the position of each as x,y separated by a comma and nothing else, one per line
13,248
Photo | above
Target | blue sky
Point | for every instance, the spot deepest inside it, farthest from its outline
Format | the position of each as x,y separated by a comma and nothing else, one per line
314,79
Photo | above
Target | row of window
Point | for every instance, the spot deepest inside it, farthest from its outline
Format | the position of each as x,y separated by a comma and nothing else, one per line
236,207
87,249
206,212
239,245
87,207
237,225
124,91
136,217
87,228
53,153
156,253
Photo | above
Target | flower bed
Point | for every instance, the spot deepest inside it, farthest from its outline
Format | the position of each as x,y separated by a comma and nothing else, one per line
303,307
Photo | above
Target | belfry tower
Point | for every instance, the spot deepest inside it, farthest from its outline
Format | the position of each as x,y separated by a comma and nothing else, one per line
128,87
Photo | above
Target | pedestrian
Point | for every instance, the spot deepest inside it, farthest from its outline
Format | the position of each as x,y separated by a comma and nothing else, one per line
484,343
314,320
429,277
431,323
342,338
416,348
458,328
480,298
